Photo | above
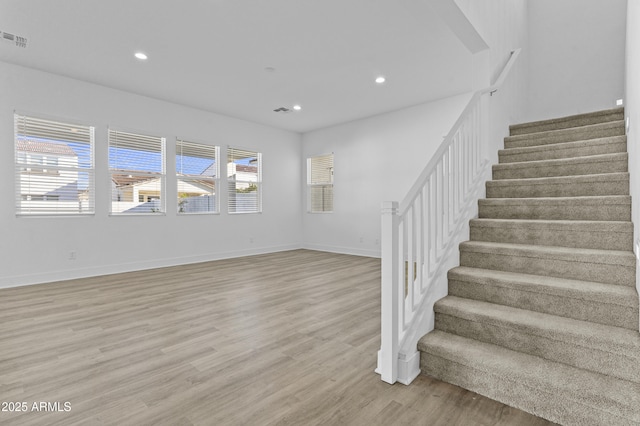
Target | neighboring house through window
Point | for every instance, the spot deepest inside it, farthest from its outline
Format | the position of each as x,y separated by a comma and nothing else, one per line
137,170
54,167
244,175
197,177
320,183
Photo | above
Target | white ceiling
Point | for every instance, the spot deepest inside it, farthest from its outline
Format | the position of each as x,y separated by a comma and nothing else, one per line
212,54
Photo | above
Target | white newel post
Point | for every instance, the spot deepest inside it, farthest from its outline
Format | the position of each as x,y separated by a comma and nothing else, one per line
388,355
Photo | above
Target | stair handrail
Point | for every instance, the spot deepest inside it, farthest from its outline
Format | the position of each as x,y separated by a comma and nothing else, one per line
438,204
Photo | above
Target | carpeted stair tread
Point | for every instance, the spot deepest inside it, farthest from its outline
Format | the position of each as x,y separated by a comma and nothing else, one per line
599,146
582,300
607,266
597,347
552,390
603,235
594,131
543,312
587,165
576,120
604,207
561,186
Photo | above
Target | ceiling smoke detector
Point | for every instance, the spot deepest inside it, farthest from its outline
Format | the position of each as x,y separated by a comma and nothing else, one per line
19,41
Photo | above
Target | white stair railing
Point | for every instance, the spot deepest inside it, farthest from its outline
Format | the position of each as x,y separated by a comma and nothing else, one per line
419,234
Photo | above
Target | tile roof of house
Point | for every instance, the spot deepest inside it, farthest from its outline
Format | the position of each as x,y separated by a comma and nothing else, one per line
124,179
243,168
25,145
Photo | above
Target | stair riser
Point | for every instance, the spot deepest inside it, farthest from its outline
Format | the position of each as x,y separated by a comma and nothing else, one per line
585,269
616,145
596,311
553,170
579,134
560,189
617,212
545,403
570,236
567,122
553,348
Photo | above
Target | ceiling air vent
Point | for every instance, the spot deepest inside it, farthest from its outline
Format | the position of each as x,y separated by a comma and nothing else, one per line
282,110
12,38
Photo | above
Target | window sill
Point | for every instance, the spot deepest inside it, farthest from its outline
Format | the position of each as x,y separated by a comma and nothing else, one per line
199,214
49,215
137,214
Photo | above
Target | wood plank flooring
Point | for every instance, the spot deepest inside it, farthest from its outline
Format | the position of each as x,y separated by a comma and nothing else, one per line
280,339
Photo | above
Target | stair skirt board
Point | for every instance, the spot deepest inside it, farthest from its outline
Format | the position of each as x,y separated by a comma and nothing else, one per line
543,312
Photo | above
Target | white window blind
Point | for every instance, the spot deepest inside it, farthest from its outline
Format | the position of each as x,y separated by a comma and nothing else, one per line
244,175
197,177
136,167
320,183
54,167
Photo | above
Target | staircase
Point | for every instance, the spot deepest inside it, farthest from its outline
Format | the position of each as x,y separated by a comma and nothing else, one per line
542,313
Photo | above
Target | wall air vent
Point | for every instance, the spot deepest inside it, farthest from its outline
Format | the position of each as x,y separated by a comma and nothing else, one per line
282,110
19,41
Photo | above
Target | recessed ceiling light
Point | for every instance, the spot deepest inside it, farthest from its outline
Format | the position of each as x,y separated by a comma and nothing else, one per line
297,107
141,56
380,80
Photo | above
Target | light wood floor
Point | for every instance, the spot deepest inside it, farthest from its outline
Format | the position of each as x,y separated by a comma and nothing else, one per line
285,338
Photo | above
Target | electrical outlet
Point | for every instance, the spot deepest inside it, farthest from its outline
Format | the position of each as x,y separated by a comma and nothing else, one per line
72,255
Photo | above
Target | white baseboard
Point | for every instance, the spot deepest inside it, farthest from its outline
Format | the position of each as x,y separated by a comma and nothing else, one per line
408,367
342,250
70,274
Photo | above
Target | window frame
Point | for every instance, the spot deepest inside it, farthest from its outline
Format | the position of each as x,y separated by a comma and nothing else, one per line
162,175
215,180
49,170
321,184
231,181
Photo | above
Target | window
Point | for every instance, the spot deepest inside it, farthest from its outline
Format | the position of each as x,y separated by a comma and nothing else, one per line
244,173
136,167
197,177
54,167
320,183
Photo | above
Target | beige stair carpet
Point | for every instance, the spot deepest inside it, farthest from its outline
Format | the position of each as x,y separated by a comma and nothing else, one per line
542,313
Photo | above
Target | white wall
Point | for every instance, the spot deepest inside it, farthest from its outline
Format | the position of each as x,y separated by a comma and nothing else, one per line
632,112
375,159
577,56
36,249
504,25
378,159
